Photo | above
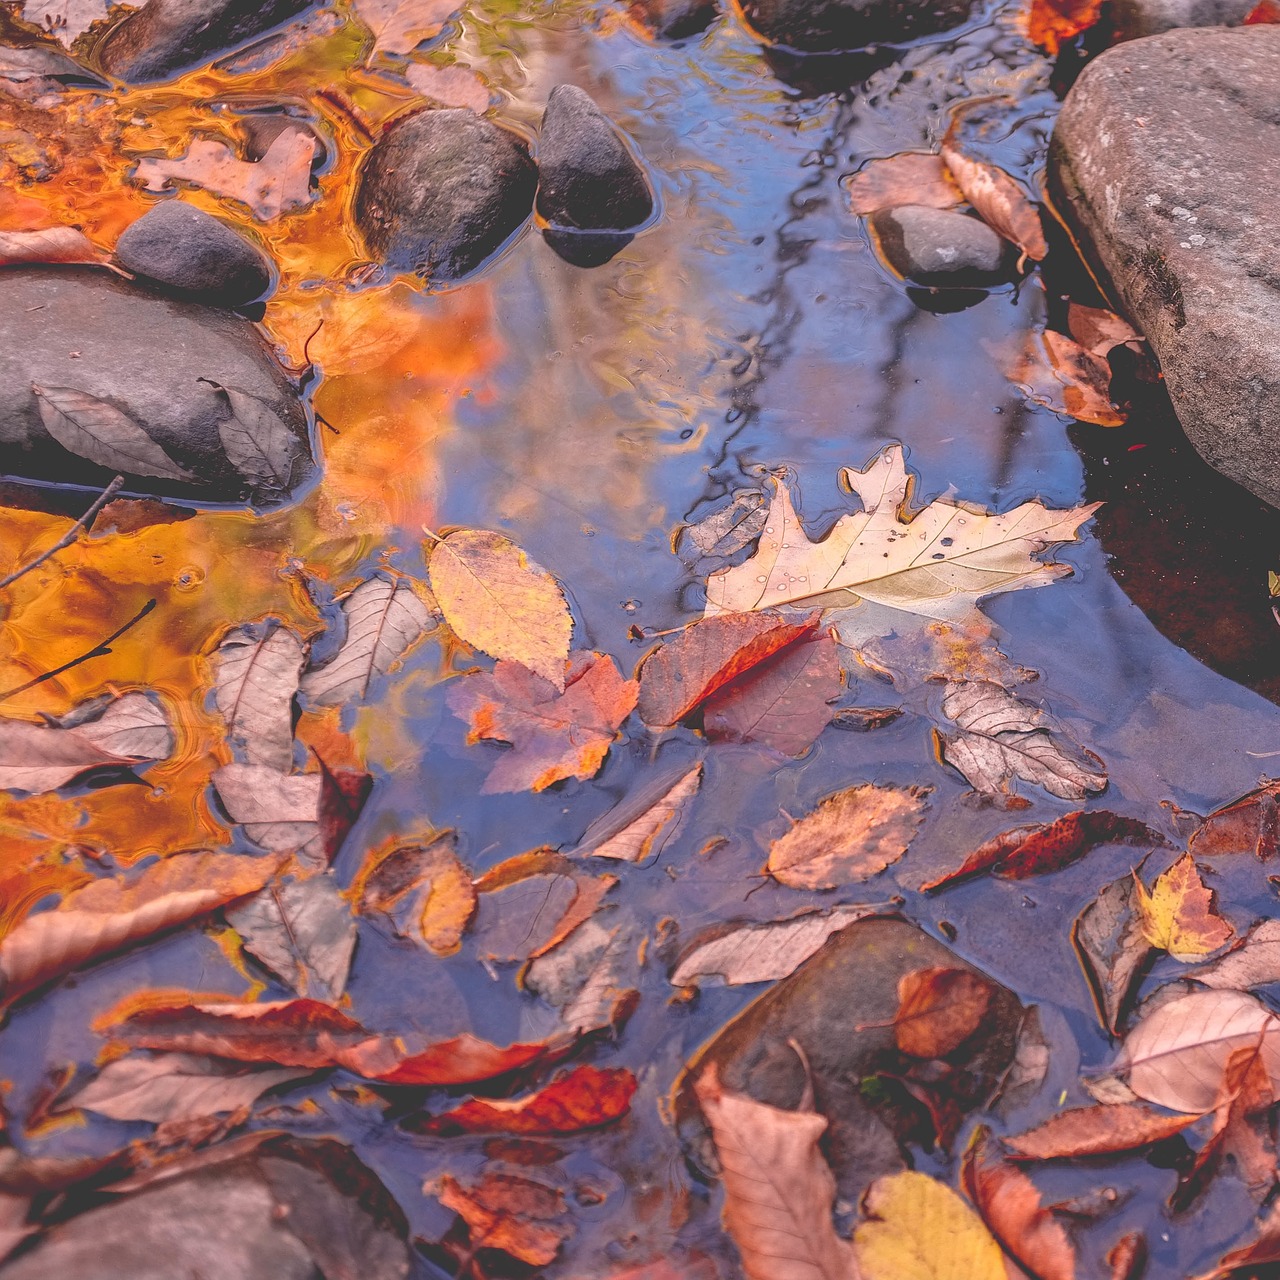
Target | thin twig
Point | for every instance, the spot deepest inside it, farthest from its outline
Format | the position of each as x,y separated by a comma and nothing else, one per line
71,534
100,650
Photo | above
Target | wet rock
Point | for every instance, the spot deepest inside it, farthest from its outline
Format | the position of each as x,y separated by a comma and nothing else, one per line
1132,19
154,359
1164,161
940,248
673,19
441,191
839,26
39,62
839,1007
167,36
195,255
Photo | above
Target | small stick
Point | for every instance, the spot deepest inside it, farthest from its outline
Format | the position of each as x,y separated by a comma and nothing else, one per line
71,534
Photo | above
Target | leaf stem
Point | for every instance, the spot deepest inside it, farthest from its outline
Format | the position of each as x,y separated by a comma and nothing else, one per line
71,534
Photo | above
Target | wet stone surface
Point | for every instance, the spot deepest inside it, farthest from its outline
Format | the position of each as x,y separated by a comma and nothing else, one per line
939,248
837,26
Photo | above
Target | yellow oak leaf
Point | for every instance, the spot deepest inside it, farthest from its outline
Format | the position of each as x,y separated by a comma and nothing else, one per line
1177,913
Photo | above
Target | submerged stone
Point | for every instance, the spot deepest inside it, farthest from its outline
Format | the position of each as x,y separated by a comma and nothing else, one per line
441,191
839,26
169,367
1164,163
940,248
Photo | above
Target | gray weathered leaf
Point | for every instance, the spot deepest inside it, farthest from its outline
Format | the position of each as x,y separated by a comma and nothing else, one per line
1253,962
637,829
256,676
279,811
175,1086
133,725
1112,948
727,531
93,429
385,618
590,976
303,932
256,440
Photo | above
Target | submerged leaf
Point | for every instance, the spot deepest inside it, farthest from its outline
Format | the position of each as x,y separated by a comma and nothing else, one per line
1253,962
727,531
938,1010
1178,914
256,676
523,1218
910,177
453,86
1113,949
638,828
590,975
1248,825
399,26
1051,22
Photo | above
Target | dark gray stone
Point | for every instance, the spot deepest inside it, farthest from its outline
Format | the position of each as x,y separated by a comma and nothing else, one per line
1165,161
186,250
39,62
940,248
673,19
165,37
441,191
588,179
840,26
1132,19
87,329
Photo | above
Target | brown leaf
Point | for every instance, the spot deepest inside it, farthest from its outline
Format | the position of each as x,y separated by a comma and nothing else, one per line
1248,825
1127,1258
49,244
109,915
727,531
553,735
910,177
523,1218
638,828
1050,22
584,1098
343,793
1085,378
1178,913
1253,962
784,702
850,836
999,200
1112,950
453,86
399,26
680,676
257,669
279,811
1098,330
1095,1131
938,1010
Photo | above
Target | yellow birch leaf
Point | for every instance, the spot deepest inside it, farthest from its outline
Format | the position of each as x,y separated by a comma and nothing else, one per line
1177,913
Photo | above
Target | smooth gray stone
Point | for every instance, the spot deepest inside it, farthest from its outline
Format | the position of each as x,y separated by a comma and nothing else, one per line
187,250
940,248
165,37
588,179
441,191
87,329
841,26
1165,161
1132,19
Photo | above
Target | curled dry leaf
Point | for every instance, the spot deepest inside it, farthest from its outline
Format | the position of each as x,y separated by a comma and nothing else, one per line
1097,1131
1248,825
1112,948
109,915
385,618
517,1215
910,177
498,600
1000,201
453,86
256,676
1253,962
778,1191
1178,914
1083,378
638,828
850,836
553,735
938,1010
49,244
938,563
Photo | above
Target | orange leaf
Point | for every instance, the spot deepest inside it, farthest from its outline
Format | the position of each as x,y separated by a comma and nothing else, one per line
1095,1131
938,1010
503,1211
1049,22
1248,825
1264,11
1000,201
1127,1258
911,177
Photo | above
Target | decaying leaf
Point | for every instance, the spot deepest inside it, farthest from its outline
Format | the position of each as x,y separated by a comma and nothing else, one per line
109,915
277,183
517,1215
1112,948
910,177
1248,825
744,953
1084,378
498,600
279,811
452,86
256,676
553,735
919,1228
256,440
1095,1131
399,26
850,836
590,975
1099,330
638,828
1253,962
1050,22
385,618
93,429
727,531
1000,201
1001,737
584,1098
938,1010
937,563
1178,913
778,1190
49,244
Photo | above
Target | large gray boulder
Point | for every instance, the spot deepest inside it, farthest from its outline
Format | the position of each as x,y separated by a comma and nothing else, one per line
187,400
1166,162
841,26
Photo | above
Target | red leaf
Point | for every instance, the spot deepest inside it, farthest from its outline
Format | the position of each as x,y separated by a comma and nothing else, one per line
1050,22
1263,12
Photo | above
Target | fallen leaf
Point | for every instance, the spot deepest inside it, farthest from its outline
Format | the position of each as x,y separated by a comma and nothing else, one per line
1112,948
1178,914
574,1101
399,26
452,86
910,177
1248,825
1264,11
1010,1206
999,200
132,726
744,953
918,1229
277,183
727,531
256,672
1041,848
50,244
1127,1258
784,703
256,440
553,735
498,600
938,563
1082,1132
278,811
639,828
104,435
385,618
851,836
1085,381
523,1218
778,1191
1048,23
174,1086
678,677
302,931
865,719
1099,330
1253,962
589,976
1003,737
110,914
938,1010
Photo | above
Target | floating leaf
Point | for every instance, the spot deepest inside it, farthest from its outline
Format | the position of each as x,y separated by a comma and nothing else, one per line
1248,825
452,86
1000,201
523,1218
256,676
850,836
1099,330
131,726
498,600
910,177
1127,1258
1082,1132
1084,379
49,244
638,828
1113,949
399,26
1252,962
256,440
1050,22
938,1010
1178,913
93,429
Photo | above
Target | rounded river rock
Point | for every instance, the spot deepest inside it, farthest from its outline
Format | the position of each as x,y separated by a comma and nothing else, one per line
940,248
